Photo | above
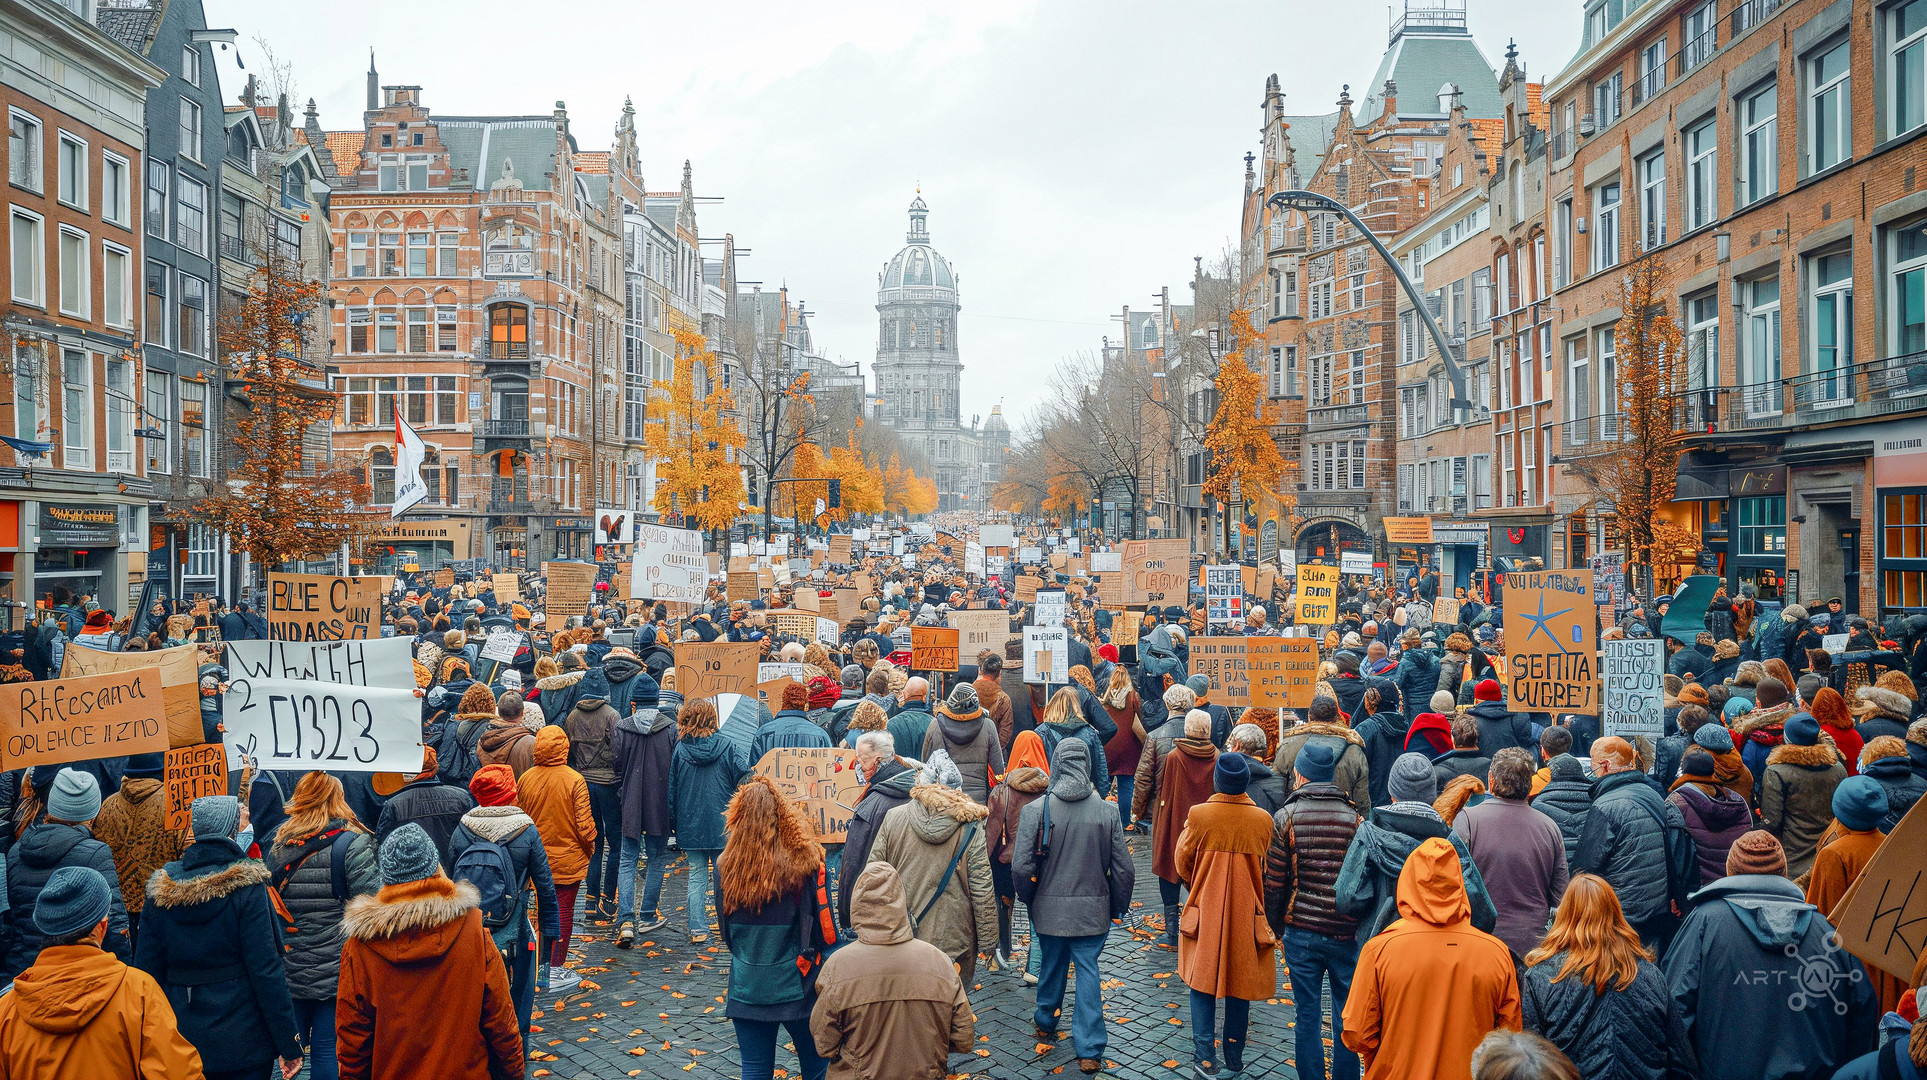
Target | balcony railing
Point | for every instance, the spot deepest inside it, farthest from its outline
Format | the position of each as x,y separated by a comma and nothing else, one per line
504,429
1750,14
1877,388
1697,51
1593,435
1336,416
1649,84
501,350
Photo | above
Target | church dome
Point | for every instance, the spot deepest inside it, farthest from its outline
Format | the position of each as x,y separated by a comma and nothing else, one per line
917,272
995,421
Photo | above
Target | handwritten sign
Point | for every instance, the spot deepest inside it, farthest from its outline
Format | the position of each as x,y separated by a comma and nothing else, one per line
1635,669
668,564
1026,590
1156,571
1883,918
1107,562
1223,595
933,648
1354,562
180,682
823,781
571,587
980,630
1050,608
94,716
384,662
1222,659
298,724
445,578
1283,671
717,667
508,588
317,607
502,645
189,773
840,548
1317,595
1124,628
1047,655
1445,610
1549,642
1408,530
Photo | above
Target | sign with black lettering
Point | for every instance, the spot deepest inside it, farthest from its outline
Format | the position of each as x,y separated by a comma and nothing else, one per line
823,781
317,607
717,667
189,773
180,683
1156,572
383,662
296,724
1635,674
1550,645
1283,671
94,716
1222,660
1317,595
933,648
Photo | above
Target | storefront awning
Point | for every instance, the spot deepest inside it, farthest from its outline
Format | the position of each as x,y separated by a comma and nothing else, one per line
1700,484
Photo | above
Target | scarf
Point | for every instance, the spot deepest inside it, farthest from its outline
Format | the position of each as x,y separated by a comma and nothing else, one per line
1028,749
1118,697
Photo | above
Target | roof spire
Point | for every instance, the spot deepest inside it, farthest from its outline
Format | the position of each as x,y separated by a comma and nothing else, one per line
374,82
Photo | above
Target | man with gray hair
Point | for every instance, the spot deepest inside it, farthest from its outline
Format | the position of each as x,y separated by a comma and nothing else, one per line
1266,788
1158,742
911,720
887,784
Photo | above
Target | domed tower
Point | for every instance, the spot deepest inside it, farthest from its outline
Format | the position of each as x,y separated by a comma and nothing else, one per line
917,368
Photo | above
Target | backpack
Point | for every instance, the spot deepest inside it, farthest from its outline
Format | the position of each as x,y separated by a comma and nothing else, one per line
457,759
1682,861
336,841
489,867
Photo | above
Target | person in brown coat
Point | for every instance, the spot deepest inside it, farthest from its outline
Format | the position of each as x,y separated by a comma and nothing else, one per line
990,694
1225,949
1796,793
1184,781
133,822
1322,721
890,1005
557,799
423,990
507,739
1158,743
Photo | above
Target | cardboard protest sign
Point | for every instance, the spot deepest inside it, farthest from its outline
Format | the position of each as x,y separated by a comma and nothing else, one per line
849,604
1635,669
318,607
1222,659
1883,918
445,578
668,564
1157,571
1267,580
933,648
1408,530
770,692
1317,595
797,624
840,548
571,587
823,781
508,588
1283,671
1549,642
743,585
298,724
1047,655
180,682
980,630
112,714
1124,628
717,667
1445,610
1026,590
383,662
189,773
806,599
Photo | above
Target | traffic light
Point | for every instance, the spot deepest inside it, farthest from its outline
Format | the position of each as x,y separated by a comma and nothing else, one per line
836,494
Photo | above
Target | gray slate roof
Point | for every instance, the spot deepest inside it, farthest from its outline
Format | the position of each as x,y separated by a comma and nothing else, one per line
1420,62
481,143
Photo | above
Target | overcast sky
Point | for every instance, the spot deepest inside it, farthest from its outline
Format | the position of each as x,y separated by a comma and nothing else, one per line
1075,155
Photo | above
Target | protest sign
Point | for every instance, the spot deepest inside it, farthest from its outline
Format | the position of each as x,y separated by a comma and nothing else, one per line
1408,530
742,585
823,781
112,714
502,645
1608,578
1223,595
1883,918
806,599
1317,595
1107,562
1156,571
1267,581
668,564
980,630
1030,555
296,724
1283,671
1046,655
1287,562
445,578
996,535
1834,643
1549,642
797,624
738,550
1050,608
180,682
1354,562
508,588
1634,671
318,607
1124,628
383,662
840,548
717,667
973,558
1026,590
795,672
189,773
1445,610
571,586
1222,660
849,604
933,648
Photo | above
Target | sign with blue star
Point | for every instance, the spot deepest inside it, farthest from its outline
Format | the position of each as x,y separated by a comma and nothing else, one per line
1551,658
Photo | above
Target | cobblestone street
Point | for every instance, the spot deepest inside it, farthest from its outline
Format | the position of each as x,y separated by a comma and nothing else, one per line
657,1010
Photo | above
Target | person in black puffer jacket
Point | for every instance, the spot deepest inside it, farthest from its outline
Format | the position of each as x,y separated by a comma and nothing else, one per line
1668,749
1384,732
1885,760
644,809
887,786
63,839
426,801
1566,798
209,939
591,725
1416,676
1616,1017
1499,727
301,856
1624,842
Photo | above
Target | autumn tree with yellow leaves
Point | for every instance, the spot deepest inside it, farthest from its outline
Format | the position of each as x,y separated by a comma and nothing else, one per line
696,449
1245,462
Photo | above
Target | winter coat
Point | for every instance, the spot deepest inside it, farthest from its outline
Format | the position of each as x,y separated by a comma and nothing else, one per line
787,729
1521,857
1451,674
1838,865
435,806
1007,801
919,838
515,830
557,694
907,726
1122,750
1746,940
1310,834
1225,945
1430,734
1417,677
1184,781
1796,799
1024,712
557,798
1755,734
1085,879
592,739
1623,842
32,859
1565,799
507,742
80,1012
1500,728
888,1004
1266,787
1368,879
767,947
973,745
1891,713
208,937
1457,763
1096,715
1716,816
886,791
313,951
1630,1034
1350,690
1773,637
1158,743
645,747
423,988
1904,787
1079,728
1429,988
619,683
133,822
1383,736
703,774
1352,775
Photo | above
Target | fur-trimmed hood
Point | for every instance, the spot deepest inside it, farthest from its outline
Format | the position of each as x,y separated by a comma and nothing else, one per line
496,824
1917,733
1325,727
1028,779
937,811
1820,755
1749,673
169,890
1725,649
1760,719
413,921
560,682
1875,702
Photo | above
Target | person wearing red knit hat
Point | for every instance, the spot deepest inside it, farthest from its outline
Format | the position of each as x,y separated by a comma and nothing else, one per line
1498,726
497,821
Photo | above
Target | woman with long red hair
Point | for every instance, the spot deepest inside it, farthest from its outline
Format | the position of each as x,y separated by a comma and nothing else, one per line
1591,988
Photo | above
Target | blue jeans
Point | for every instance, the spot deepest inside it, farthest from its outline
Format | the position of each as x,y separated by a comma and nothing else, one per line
1087,1013
1204,1028
314,1021
633,848
1312,958
1125,784
605,806
702,872
756,1042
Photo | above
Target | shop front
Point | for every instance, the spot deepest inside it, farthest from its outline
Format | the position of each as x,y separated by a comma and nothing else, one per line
1756,534
78,546
426,545
1461,554
571,537
1900,489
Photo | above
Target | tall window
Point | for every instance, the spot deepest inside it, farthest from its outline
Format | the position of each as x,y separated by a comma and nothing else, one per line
114,190
1355,376
1652,199
71,183
155,205
1702,158
1481,300
194,426
77,408
159,314
1760,526
120,415
1701,35
28,256
447,246
1908,301
361,322
508,331
193,315
1652,68
1605,239
160,417
1830,279
417,328
116,286
1607,350
23,150
391,258
1829,109
1759,139
190,217
1760,364
418,174
1578,382
1562,239
191,128
421,246
387,330
1321,380
287,239
1277,371
190,65
1605,100
74,293
361,254
203,554
1906,66
445,328
1702,341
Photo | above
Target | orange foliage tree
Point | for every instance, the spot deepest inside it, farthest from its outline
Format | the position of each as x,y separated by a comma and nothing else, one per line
1245,463
279,505
695,447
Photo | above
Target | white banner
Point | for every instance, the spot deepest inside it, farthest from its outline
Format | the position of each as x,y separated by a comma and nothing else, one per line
973,558
669,565
1354,562
379,662
615,525
1107,562
996,535
1635,670
1047,658
1050,608
502,645
294,725
409,455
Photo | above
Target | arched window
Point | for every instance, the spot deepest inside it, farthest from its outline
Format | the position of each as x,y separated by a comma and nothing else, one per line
383,481
510,252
